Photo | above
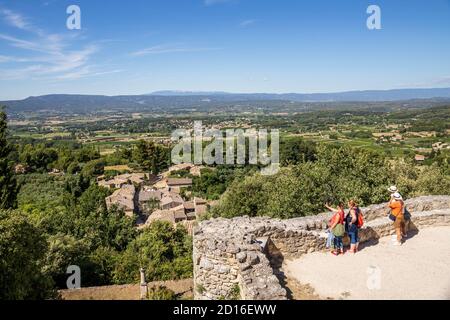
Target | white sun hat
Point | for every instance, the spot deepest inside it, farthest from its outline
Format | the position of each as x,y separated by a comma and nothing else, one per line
393,189
397,196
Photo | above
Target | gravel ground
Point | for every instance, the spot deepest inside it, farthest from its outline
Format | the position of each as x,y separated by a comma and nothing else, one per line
419,269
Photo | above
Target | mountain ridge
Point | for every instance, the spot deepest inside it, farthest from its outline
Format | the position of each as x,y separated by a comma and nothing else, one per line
161,100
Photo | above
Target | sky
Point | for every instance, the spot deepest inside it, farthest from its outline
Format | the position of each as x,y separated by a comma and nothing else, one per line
274,46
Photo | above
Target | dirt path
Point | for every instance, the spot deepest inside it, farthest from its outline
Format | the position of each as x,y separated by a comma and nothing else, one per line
419,269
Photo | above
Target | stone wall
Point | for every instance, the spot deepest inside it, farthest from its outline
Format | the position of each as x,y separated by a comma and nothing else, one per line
248,252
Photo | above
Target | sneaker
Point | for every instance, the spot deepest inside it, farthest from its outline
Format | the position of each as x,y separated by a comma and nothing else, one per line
397,243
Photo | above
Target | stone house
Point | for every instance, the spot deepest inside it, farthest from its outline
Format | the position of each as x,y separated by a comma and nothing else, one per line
179,182
128,178
123,198
170,200
144,198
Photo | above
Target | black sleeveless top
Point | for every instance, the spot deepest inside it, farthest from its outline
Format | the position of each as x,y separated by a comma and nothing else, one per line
348,220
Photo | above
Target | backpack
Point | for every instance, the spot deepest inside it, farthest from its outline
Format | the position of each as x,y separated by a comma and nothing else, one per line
339,230
359,218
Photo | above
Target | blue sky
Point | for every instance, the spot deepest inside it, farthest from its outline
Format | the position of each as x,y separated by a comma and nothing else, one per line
140,46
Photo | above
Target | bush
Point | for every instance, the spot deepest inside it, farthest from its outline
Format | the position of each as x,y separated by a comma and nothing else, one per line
161,293
164,251
415,181
339,174
22,248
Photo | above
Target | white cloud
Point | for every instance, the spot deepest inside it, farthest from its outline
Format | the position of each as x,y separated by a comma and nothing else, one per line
47,55
54,58
18,21
247,23
164,48
14,19
5,59
85,72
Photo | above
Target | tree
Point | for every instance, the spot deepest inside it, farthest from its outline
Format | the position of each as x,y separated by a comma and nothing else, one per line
63,251
212,183
164,251
38,157
295,151
23,249
93,168
338,174
247,197
151,157
8,185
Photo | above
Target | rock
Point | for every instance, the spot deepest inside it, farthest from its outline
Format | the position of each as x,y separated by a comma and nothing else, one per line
245,266
206,264
223,269
252,258
232,249
241,256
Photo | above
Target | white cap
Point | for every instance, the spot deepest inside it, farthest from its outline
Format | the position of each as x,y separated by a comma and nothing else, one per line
393,189
397,196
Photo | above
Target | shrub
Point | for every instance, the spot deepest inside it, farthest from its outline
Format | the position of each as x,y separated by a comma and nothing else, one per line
161,293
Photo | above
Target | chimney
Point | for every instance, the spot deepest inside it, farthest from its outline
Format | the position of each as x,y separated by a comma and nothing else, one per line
143,285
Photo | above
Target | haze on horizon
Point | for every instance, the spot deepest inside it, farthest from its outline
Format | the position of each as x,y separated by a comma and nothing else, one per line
239,46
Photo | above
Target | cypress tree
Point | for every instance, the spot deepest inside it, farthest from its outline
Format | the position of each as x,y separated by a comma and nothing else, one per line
8,185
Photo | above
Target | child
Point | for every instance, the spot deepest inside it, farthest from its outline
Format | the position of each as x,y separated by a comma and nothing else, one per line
330,237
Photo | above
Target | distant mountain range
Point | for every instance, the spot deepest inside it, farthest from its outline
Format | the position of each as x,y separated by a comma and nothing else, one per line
163,100
188,93
367,95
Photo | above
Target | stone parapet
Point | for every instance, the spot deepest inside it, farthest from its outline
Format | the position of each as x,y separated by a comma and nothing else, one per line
246,253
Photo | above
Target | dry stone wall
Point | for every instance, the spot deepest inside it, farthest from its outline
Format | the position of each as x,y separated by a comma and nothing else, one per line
246,253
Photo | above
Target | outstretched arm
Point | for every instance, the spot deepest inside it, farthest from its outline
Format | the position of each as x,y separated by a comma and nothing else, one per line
331,208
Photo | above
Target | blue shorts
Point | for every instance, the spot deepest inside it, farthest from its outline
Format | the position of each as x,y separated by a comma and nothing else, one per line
353,234
337,243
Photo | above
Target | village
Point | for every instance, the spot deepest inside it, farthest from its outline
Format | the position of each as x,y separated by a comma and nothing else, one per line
150,198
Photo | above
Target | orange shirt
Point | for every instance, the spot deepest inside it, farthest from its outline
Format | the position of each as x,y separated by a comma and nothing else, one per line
396,207
338,217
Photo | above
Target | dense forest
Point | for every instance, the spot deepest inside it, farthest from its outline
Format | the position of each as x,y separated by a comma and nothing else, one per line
50,222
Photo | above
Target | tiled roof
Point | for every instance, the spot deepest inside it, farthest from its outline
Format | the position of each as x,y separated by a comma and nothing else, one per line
178,181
